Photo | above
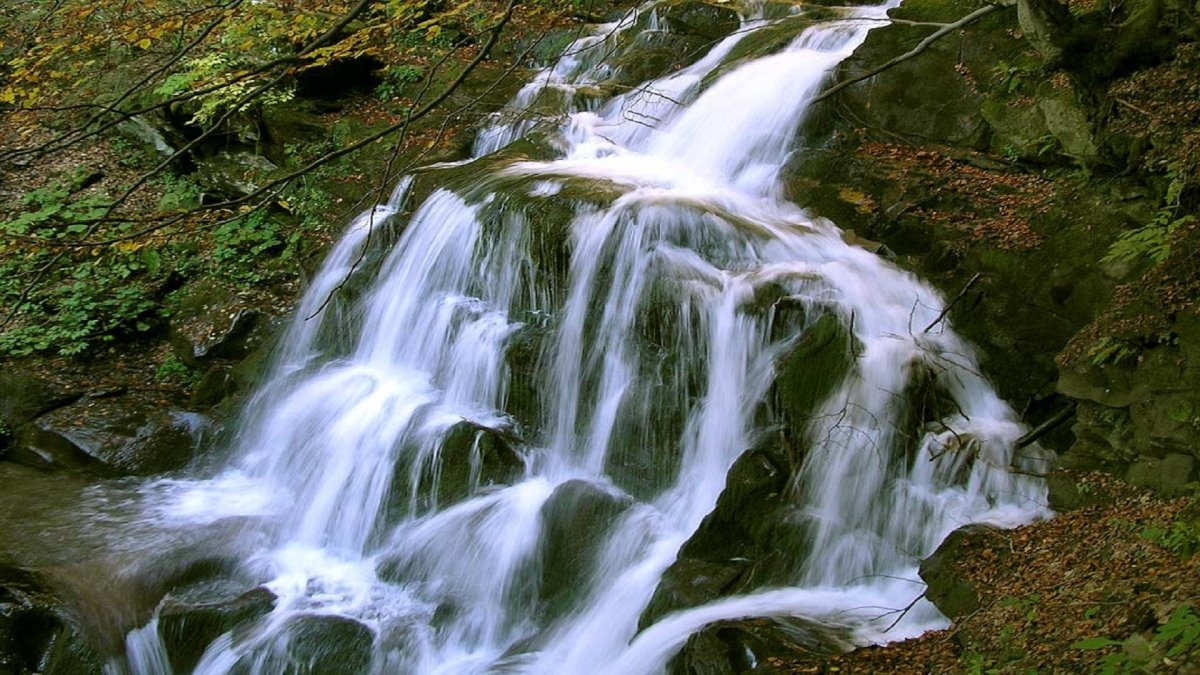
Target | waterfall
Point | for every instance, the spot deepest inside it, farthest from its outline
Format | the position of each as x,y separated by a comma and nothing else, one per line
452,389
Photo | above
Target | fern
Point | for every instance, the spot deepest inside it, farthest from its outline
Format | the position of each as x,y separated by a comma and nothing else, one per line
1153,241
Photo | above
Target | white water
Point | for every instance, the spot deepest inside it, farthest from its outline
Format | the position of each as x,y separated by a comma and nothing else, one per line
656,359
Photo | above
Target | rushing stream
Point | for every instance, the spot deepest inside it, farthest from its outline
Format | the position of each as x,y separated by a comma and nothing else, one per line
632,371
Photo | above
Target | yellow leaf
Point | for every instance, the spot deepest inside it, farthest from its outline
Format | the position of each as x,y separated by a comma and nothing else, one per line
144,43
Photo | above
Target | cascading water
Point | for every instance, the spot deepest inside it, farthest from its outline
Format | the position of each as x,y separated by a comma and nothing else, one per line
367,469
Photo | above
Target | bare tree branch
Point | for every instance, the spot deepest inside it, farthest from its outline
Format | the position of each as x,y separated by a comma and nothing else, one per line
923,45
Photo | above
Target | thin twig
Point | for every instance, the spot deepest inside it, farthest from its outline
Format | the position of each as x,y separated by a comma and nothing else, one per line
942,32
950,305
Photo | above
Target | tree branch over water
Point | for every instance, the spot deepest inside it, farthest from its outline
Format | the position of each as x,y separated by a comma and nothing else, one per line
921,46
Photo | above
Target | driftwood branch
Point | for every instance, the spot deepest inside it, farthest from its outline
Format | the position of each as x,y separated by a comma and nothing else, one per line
1046,427
915,51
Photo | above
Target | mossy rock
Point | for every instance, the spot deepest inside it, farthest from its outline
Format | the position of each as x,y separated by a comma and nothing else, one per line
947,588
653,55
763,41
211,321
1065,492
575,522
1041,125
1169,476
314,644
23,397
810,371
701,19
933,96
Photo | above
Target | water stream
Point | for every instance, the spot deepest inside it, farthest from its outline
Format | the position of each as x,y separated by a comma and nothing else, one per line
366,473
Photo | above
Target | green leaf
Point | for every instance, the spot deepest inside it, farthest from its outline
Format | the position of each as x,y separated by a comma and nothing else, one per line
1094,643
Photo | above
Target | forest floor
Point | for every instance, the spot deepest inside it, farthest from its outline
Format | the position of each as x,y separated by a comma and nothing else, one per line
1079,593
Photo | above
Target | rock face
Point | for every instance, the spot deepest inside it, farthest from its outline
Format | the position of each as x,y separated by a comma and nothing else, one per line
1033,85
1140,418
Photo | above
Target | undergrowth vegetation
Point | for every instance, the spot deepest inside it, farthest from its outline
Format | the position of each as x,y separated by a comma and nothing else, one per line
113,116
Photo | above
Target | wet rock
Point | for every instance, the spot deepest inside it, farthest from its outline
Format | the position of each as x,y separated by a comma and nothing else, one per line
127,434
215,386
691,582
746,645
522,355
653,54
43,449
810,371
575,520
36,633
187,626
213,322
316,645
474,456
471,457
947,589
755,537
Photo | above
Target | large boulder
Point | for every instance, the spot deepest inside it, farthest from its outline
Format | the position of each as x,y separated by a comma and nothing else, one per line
230,174
1138,413
946,586
188,623
23,397
211,321
754,538
705,20
751,645
132,433
757,536
471,457
575,520
314,644
809,372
